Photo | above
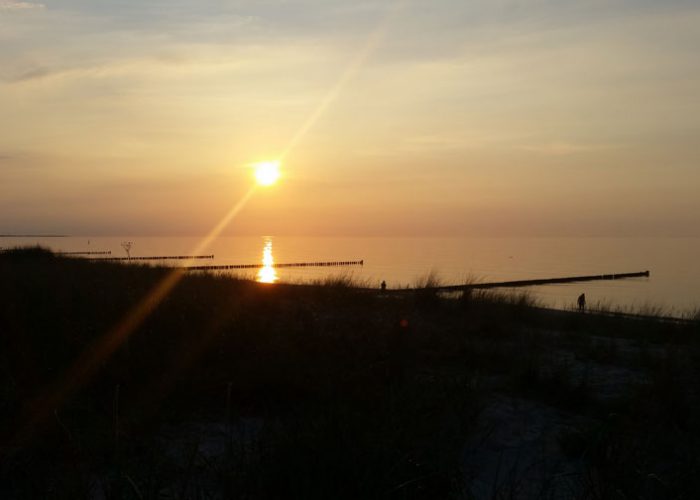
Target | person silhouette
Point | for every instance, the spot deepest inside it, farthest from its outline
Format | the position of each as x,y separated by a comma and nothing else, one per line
581,302
383,285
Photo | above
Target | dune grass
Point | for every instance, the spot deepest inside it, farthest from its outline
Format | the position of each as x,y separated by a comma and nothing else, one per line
234,389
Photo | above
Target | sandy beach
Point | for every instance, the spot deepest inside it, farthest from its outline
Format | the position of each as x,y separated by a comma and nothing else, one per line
230,388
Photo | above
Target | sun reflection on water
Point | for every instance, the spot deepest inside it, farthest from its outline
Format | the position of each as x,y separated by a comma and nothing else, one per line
267,273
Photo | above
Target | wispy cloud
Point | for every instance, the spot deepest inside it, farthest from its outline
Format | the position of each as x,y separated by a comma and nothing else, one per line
455,140
31,74
19,5
565,148
106,69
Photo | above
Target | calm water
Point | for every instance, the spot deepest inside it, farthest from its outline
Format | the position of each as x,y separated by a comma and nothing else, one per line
673,262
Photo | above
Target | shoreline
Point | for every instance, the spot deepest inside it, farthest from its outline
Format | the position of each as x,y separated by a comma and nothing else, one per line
319,390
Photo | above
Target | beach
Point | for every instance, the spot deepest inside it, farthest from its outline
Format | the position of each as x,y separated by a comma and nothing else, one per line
226,388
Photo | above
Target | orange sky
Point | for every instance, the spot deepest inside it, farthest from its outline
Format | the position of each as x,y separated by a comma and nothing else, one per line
399,118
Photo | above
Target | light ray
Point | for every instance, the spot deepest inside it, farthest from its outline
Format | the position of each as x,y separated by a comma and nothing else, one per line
357,62
104,347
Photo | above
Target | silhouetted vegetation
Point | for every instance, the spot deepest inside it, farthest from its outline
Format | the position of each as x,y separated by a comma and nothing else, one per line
235,389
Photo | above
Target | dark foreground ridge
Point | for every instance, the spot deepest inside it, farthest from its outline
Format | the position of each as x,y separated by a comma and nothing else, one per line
232,389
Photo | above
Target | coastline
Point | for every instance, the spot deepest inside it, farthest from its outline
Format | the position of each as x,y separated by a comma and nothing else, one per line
227,385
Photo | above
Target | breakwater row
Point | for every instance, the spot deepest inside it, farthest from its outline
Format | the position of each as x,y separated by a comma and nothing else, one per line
535,282
105,252
158,257
334,263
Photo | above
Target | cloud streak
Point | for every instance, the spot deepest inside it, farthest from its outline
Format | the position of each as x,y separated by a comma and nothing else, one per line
20,5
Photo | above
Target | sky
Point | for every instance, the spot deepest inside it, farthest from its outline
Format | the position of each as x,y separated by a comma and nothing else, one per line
393,117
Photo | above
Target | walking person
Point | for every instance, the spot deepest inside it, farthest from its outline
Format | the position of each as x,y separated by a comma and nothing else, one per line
582,302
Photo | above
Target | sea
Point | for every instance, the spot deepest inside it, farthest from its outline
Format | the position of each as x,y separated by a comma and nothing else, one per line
672,288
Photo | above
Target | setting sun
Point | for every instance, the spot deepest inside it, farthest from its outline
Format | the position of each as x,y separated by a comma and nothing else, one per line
267,172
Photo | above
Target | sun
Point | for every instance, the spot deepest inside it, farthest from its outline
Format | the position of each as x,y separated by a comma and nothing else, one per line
267,172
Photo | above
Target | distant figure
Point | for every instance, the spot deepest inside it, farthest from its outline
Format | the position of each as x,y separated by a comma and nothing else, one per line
383,285
582,302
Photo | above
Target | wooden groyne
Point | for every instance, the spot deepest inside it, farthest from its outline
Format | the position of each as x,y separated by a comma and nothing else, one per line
334,263
536,282
159,257
33,235
106,252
